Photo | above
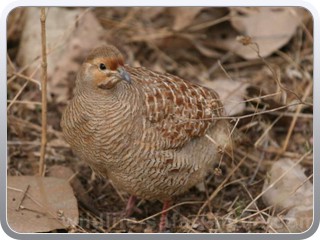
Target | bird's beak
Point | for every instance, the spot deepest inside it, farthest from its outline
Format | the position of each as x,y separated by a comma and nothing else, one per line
124,74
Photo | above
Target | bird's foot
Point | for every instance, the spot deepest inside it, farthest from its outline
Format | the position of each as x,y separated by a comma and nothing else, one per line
163,219
130,208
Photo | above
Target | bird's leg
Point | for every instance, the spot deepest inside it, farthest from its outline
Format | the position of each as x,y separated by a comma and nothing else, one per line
162,224
130,205
127,212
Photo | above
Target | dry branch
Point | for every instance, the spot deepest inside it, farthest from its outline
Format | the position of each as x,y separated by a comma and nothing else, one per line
43,93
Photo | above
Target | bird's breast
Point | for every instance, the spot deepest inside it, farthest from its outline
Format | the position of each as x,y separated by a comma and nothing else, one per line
104,135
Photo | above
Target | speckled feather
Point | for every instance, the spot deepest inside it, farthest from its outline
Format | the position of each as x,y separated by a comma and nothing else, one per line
148,137
179,109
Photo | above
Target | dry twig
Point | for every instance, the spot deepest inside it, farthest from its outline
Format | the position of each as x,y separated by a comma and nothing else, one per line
43,92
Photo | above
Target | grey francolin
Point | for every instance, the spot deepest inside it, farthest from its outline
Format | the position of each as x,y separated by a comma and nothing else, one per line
153,135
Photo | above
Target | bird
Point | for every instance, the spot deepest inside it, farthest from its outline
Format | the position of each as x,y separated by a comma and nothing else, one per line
154,135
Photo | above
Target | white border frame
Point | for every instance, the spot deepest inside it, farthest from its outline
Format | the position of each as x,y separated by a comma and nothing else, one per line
101,3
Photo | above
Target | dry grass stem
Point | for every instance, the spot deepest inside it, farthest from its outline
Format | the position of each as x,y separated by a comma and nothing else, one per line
154,215
294,119
43,92
216,191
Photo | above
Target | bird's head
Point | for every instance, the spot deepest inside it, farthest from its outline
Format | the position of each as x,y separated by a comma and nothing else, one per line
104,68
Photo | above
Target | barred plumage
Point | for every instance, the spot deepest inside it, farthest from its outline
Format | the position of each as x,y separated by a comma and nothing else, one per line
142,129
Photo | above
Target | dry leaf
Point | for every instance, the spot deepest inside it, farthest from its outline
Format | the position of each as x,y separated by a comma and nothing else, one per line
231,94
270,27
184,16
297,220
38,204
294,192
86,36
62,172
66,44
81,193
30,44
208,52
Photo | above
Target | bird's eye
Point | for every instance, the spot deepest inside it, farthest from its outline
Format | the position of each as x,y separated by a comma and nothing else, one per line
102,66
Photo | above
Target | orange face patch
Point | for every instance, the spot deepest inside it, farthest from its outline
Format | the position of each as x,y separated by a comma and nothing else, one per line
103,78
112,63
99,78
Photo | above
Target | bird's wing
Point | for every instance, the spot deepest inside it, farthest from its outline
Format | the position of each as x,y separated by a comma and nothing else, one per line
178,110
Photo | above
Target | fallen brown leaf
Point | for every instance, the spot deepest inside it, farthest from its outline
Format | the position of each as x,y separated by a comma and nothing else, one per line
81,193
183,16
269,27
293,192
71,33
40,204
231,94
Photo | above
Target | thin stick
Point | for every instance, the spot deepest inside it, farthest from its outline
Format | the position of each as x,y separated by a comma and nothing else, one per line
23,196
21,90
43,92
295,118
24,102
154,215
28,79
17,95
247,41
29,125
218,189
